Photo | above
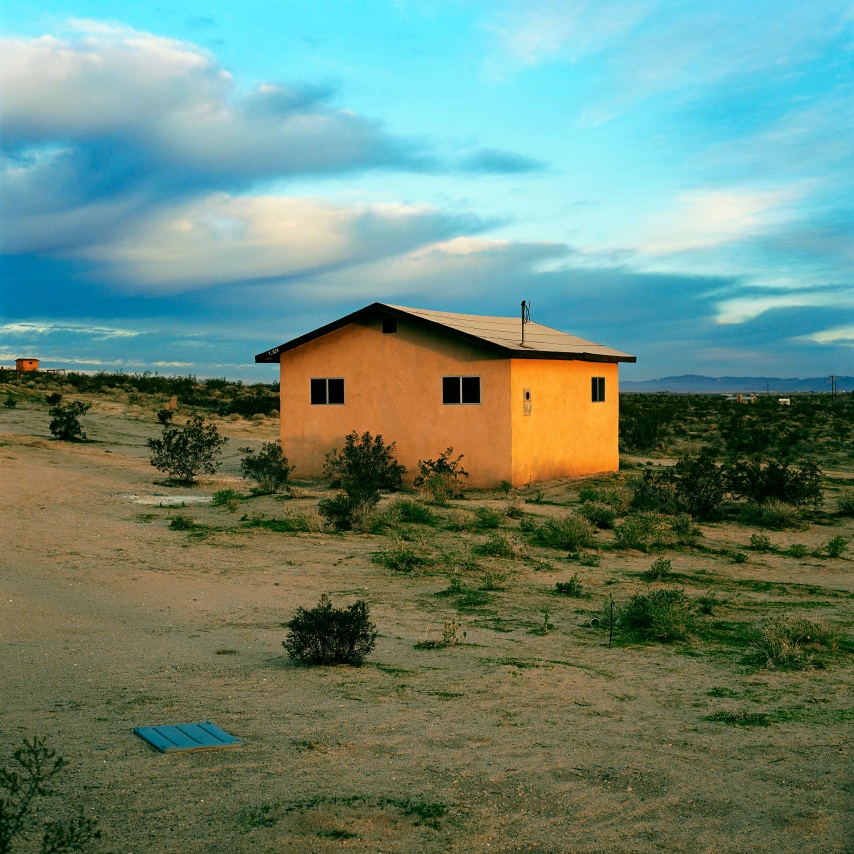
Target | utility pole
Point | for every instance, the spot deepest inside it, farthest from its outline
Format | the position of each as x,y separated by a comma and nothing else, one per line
833,385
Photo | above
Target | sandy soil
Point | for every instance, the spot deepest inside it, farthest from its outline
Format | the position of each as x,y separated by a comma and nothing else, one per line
510,741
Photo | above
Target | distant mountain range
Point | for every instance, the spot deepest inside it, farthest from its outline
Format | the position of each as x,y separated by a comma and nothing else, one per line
733,385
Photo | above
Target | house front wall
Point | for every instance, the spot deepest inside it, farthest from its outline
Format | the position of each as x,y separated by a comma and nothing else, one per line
557,429
393,386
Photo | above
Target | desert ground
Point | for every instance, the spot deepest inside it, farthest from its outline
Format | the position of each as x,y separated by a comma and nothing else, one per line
528,734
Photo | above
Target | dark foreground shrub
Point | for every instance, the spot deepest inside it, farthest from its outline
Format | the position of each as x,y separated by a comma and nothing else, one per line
664,614
327,635
798,485
268,468
37,765
65,424
184,452
568,532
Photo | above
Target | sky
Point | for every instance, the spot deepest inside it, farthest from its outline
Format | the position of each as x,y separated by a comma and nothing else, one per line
187,185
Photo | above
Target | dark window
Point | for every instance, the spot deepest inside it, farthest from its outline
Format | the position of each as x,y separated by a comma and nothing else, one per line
389,325
460,390
327,391
598,388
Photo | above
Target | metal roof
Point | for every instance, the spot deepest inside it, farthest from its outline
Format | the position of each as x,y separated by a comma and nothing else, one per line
501,334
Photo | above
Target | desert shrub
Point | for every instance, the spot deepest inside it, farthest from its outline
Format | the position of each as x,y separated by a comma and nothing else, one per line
441,479
570,533
363,467
493,580
184,452
300,521
760,542
528,524
327,635
11,401
797,550
513,510
598,513
53,398
773,515
796,643
269,467
182,522
573,587
450,637
38,765
845,503
165,416
660,570
664,614
588,559
65,422
643,531
798,485
413,512
402,557
499,544
836,547
696,484
229,498
486,517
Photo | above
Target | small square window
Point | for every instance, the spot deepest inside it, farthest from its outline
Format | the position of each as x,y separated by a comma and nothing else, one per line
326,392
598,389
457,390
389,325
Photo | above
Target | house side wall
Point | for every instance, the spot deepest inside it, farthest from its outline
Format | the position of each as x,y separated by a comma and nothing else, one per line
566,434
393,386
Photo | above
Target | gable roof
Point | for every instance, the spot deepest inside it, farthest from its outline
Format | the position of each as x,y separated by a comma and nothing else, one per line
501,335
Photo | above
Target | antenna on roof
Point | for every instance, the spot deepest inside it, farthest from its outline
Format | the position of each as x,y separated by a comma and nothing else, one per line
526,318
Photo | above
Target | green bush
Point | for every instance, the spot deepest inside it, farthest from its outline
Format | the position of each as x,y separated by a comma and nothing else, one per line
226,497
182,522
599,514
757,482
11,401
487,518
570,533
326,635
183,452
441,479
643,531
573,587
664,614
363,467
53,398
796,643
402,557
269,467
836,547
760,543
660,570
65,424
499,544
413,512
696,484
845,503
773,515
798,550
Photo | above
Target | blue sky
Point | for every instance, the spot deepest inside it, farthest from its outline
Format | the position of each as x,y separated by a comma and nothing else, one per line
183,188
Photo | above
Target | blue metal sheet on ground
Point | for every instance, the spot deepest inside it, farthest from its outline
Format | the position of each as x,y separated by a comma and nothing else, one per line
182,737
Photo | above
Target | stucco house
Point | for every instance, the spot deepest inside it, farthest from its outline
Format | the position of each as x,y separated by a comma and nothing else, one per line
428,380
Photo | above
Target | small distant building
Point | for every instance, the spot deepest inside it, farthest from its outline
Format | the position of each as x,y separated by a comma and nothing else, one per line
521,406
24,365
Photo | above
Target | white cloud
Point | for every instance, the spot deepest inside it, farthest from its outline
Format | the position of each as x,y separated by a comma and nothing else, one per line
37,328
223,239
841,335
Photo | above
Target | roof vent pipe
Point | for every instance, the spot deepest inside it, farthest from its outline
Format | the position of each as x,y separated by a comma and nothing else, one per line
526,318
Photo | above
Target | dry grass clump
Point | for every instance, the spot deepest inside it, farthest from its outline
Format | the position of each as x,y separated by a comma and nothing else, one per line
773,515
796,643
663,615
570,533
403,557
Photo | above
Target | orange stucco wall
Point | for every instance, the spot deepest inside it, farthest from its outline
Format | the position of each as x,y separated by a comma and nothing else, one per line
393,386
22,365
566,434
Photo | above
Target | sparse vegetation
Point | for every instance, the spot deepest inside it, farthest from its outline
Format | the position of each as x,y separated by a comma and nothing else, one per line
324,635
573,587
665,614
569,533
402,557
661,570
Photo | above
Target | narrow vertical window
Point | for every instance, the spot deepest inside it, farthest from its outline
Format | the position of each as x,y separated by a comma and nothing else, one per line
598,389
327,391
457,390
